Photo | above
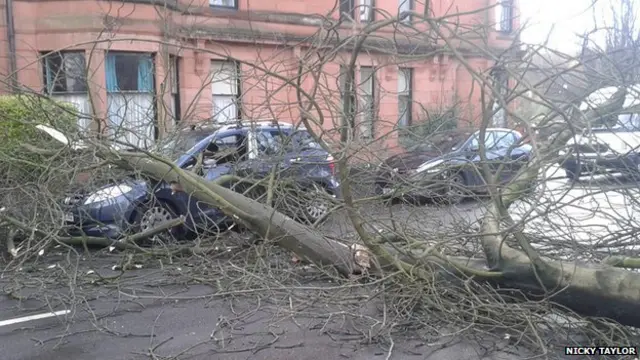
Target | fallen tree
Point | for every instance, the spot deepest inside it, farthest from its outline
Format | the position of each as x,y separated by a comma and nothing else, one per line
582,288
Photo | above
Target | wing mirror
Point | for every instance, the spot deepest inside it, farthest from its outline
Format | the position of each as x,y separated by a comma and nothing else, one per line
474,148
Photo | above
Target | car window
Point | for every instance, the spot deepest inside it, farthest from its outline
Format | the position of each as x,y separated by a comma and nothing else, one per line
267,144
278,142
442,142
489,141
224,142
629,121
180,143
303,140
504,139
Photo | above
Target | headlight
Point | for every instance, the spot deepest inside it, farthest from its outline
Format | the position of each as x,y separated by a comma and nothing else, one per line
428,165
108,193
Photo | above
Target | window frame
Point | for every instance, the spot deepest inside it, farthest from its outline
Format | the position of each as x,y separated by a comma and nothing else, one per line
500,78
347,7
235,85
130,54
505,15
342,82
365,11
368,101
174,62
408,19
406,96
49,89
231,7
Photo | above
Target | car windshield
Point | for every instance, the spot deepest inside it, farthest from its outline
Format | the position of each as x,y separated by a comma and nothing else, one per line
180,143
443,142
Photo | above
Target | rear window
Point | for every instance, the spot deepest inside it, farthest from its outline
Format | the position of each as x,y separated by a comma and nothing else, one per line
274,141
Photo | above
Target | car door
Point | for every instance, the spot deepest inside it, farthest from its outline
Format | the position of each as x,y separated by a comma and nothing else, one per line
495,154
269,154
218,159
519,155
502,163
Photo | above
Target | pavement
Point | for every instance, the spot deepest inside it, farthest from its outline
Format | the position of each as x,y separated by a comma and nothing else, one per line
159,313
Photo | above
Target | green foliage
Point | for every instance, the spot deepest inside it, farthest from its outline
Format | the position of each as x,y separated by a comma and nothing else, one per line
19,114
436,121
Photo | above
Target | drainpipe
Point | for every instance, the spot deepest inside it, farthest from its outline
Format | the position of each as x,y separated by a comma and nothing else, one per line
11,39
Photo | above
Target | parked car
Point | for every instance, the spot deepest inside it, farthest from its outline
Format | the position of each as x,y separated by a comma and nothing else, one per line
602,150
448,165
243,149
606,149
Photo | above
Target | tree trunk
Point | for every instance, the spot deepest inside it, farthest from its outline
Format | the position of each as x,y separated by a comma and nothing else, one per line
263,220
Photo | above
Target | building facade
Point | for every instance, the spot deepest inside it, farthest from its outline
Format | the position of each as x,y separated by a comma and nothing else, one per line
149,66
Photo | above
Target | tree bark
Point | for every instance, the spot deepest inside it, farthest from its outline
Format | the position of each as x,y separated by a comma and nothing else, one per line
263,220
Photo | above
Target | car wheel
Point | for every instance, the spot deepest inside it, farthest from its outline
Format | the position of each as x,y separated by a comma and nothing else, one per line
154,213
317,204
455,189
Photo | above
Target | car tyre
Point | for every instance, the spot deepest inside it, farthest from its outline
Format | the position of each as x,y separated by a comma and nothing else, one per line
454,193
151,214
316,204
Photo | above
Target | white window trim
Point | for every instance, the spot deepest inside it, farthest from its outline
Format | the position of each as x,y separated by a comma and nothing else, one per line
225,90
231,4
366,11
405,88
405,5
367,90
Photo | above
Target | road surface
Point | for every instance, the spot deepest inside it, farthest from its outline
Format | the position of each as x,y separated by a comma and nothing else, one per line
175,311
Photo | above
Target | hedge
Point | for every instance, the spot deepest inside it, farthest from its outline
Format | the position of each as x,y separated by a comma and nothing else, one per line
19,114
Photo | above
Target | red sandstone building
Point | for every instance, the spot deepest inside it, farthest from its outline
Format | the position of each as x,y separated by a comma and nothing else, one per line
129,61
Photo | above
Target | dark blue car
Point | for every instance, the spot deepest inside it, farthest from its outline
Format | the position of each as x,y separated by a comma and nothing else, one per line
245,150
448,166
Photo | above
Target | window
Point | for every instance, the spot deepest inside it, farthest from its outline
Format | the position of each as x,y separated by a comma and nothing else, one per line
494,140
504,16
405,86
367,93
228,148
348,114
347,8
225,89
501,83
404,6
229,4
366,11
65,73
131,108
505,140
129,72
175,86
629,121
65,80
277,142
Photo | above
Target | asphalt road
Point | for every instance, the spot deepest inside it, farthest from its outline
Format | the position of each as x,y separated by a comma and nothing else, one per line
161,314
